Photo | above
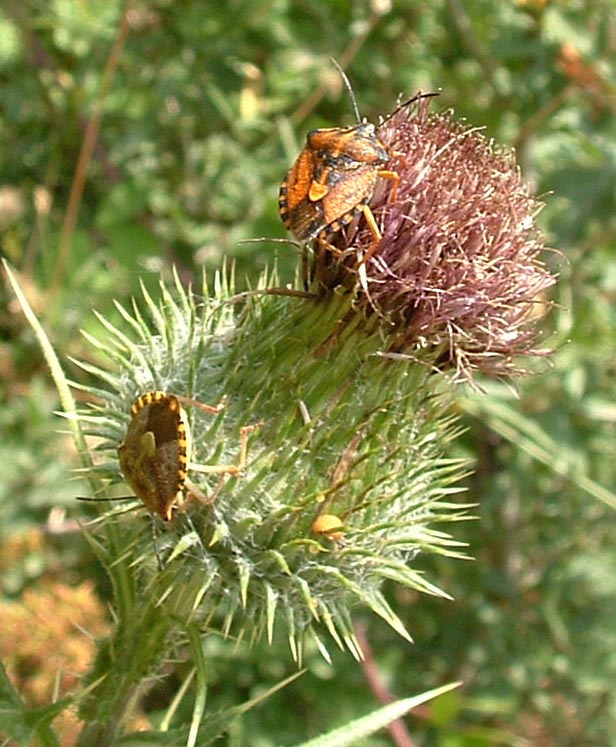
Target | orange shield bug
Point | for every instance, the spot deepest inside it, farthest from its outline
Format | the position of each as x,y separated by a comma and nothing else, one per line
155,454
332,180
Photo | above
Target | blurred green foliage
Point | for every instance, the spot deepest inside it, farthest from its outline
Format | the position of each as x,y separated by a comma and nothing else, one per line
205,108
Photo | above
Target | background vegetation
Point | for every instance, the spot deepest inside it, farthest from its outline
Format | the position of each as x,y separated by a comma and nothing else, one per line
137,139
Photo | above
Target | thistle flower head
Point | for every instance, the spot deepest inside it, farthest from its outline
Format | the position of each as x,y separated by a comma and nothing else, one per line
458,267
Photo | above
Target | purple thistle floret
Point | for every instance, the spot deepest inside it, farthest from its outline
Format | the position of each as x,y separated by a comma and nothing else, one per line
458,268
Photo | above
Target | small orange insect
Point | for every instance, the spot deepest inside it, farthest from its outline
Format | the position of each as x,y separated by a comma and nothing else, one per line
328,525
333,180
155,454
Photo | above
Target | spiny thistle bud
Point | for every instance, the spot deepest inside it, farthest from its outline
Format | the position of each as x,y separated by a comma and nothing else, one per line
458,267
335,488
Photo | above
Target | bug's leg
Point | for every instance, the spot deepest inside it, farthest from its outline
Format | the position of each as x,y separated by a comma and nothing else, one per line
229,469
323,265
361,269
393,176
370,219
319,262
376,239
211,409
374,230
243,455
159,561
194,493
306,274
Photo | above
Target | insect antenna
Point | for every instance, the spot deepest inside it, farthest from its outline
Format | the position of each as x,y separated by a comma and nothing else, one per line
102,499
347,85
407,102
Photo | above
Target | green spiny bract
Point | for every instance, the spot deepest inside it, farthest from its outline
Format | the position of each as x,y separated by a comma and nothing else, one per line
342,430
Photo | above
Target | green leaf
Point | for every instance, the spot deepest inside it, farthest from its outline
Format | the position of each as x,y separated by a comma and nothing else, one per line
367,725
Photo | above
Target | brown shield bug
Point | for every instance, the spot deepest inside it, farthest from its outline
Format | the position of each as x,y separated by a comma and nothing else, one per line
155,454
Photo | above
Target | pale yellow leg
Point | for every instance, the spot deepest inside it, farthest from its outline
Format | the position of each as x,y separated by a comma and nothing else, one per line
229,469
212,409
195,493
